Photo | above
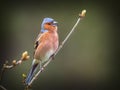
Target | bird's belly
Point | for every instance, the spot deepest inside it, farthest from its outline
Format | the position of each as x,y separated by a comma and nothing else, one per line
47,56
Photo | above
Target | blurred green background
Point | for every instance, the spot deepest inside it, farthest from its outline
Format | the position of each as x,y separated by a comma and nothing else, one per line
89,59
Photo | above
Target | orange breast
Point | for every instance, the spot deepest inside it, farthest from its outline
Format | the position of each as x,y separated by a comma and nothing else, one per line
48,43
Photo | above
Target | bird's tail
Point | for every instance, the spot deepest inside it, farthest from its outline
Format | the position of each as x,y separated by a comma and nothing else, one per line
33,69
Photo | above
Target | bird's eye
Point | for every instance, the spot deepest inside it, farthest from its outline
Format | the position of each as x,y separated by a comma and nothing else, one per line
48,23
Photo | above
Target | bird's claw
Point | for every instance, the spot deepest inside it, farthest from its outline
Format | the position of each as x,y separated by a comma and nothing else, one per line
42,69
53,56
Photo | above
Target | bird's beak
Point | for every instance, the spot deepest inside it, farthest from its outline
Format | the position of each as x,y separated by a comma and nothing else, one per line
55,23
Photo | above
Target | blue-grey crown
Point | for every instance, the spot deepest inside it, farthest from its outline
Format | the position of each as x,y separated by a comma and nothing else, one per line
47,20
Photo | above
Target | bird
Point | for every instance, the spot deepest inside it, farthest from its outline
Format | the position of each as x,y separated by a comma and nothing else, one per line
46,45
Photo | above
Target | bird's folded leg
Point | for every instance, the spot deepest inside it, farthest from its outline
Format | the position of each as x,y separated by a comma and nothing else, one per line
41,67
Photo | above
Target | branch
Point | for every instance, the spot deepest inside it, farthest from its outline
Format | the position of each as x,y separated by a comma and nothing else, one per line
81,16
3,88
24,57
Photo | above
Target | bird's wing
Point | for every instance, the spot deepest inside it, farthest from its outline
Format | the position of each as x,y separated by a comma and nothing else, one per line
37,41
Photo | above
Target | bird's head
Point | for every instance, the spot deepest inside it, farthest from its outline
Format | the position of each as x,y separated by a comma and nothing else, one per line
48,24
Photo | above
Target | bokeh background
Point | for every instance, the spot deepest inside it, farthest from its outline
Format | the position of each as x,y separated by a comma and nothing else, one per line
88,61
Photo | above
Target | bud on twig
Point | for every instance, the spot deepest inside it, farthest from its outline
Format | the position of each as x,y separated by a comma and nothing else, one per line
14,62
82,14
25,56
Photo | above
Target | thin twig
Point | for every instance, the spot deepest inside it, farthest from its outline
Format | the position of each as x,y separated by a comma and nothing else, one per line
24,57
82,15
3,88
